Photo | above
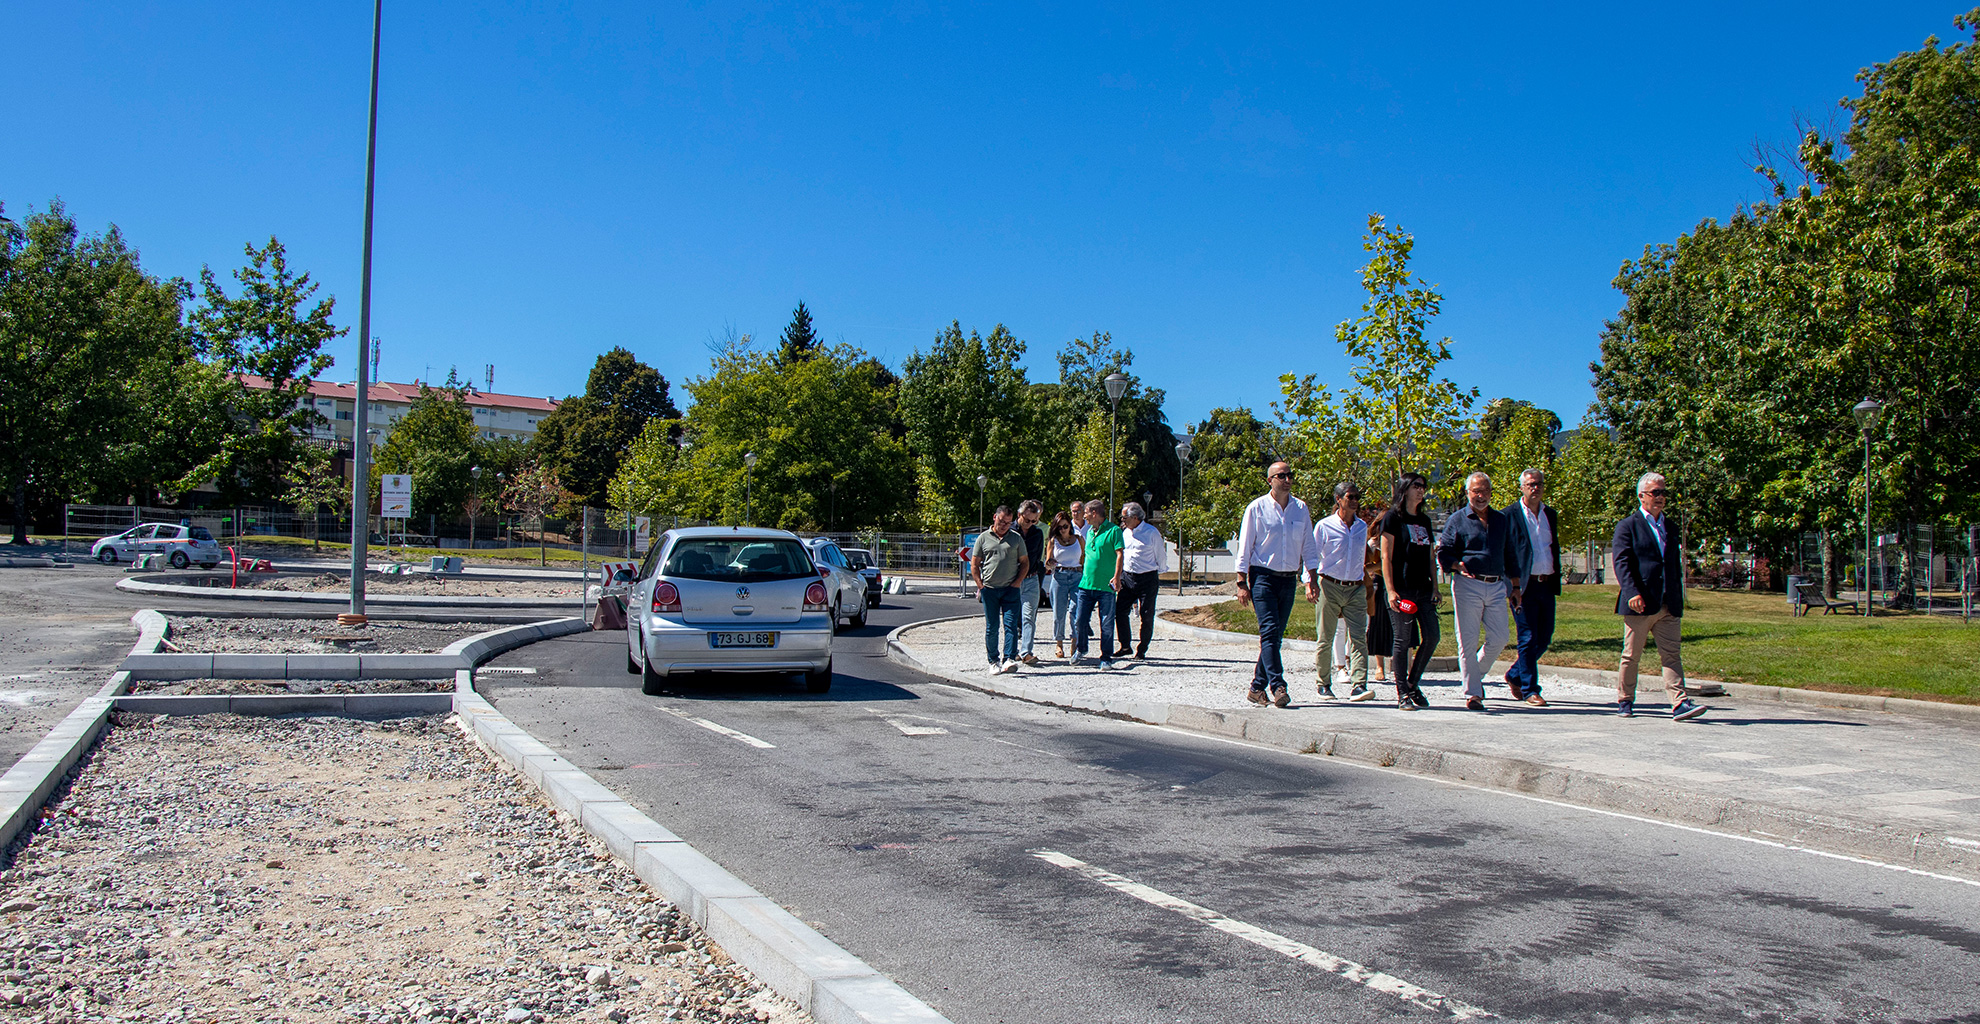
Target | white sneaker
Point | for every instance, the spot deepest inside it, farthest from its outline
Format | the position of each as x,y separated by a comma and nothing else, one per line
1077,661
1010,667
1106,666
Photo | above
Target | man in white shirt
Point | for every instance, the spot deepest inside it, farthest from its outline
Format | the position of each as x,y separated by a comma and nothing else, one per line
1336,581
1275,542
1144,556
1536,540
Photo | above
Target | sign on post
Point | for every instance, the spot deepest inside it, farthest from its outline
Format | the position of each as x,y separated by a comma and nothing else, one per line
642,533
395,496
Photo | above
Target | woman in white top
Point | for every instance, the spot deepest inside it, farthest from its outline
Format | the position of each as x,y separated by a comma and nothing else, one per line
1063,552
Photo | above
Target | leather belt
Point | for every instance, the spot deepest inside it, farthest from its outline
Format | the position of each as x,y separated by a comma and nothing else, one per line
1344,583
1483,579
1548,578
1280,573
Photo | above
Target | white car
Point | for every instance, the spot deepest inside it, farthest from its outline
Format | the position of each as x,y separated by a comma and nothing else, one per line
845,586
728,599
869,567
181,545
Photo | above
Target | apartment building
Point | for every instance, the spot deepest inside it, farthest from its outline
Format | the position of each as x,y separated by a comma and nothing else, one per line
512,416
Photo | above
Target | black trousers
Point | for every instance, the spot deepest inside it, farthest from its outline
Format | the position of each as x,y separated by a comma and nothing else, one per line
1424,619
1137,592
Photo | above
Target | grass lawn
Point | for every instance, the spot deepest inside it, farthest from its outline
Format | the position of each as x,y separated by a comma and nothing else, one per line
1749,638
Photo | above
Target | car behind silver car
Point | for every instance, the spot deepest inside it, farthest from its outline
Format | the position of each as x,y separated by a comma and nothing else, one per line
716,599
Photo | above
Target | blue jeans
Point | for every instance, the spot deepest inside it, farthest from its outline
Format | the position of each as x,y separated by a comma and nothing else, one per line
1535,619
1027,612
1083,622
1000,607
1065,590
1272,600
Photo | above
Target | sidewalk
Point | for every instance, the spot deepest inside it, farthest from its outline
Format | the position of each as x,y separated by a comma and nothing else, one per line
1895,787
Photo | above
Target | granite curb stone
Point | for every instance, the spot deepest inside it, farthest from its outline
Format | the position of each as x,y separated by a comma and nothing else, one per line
1819,831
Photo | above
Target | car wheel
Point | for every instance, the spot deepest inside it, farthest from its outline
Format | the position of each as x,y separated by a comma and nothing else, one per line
108,556
651,683
859,621
835,616
179,560
632,664
819,681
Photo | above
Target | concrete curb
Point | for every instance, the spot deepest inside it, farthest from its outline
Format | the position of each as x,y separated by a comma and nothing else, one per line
33,563
465,653
1969,713
354,705
1921,849
136,586
831,984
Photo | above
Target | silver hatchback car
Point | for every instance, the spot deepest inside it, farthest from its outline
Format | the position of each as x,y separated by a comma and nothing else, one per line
729,599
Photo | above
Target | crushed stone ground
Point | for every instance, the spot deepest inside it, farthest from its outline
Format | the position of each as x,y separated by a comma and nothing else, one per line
213,635
419,584
318,869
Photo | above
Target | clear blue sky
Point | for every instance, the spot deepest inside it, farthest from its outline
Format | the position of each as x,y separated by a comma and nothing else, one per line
555,180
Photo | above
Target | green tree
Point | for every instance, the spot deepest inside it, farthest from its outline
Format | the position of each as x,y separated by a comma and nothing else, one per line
1521,439
968,411
585,439
1147,442
1590,488
1091,464
266,333
819,429
800,341
315,485
437,444
1230,451
85,338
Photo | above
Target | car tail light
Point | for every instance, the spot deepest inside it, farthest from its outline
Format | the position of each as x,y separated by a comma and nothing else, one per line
814,598
824,573
666,597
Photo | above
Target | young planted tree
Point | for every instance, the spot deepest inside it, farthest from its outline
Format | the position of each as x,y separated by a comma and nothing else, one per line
314,485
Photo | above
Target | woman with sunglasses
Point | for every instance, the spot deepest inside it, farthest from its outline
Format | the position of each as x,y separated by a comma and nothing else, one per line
1063,554
1409,569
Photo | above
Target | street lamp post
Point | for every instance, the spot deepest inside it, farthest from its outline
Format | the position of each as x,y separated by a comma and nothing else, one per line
360,478
981,482
1866,419
1182,490
1116,384
475,472
749,494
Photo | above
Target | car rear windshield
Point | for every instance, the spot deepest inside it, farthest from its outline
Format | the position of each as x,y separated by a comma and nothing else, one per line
199,533
748,561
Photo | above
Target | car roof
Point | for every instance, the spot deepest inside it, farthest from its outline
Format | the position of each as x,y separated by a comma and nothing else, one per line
744,533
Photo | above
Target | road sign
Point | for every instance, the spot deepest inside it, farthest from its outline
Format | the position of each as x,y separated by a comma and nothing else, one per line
642,532
395,496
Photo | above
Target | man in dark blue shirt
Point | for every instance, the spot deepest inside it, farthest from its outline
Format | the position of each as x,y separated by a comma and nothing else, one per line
1474,550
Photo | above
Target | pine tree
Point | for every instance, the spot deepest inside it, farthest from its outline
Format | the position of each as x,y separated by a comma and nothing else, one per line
800,341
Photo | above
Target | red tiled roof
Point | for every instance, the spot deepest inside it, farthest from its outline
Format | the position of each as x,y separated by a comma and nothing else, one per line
386,391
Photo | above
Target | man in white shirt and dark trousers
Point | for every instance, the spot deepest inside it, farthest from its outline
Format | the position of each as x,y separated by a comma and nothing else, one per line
1536,539
1275,542
1144,558
1341,543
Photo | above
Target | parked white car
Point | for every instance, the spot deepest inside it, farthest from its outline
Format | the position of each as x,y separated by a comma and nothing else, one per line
181,545
845,587
869,567
728,599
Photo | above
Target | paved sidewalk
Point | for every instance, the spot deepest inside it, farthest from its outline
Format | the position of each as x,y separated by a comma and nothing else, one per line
1896,787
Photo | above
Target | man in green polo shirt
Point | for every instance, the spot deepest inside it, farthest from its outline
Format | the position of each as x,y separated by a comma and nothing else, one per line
1100,577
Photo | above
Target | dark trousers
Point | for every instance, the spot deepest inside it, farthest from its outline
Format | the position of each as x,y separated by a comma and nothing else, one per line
1425,621
1000,609
1138,591
1535,620
1272,601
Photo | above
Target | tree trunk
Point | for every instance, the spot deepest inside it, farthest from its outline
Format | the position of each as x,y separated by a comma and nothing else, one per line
20,512
1831,565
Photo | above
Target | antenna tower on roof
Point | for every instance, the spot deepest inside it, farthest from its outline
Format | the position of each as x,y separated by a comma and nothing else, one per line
491,378
377,346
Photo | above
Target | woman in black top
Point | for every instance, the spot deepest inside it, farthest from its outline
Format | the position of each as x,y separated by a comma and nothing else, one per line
1409,569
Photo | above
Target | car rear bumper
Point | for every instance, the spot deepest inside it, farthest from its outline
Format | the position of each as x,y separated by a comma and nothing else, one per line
801,647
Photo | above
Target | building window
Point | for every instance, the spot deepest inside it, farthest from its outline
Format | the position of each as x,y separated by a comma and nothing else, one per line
343,414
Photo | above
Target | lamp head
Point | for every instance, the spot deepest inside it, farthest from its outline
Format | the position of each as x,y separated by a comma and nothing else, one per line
749,459
1117,384
982,481
1866,413
1183,450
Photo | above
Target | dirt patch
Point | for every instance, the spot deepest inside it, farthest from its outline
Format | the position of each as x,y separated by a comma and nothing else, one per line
203,635
240,869
417,584
1200,616
248,687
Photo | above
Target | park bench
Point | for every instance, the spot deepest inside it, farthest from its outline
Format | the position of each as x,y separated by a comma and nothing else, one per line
1812,597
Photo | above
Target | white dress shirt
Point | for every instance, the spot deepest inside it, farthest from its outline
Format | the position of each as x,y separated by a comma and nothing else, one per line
1541,539
1280,539
1144,549
1342,546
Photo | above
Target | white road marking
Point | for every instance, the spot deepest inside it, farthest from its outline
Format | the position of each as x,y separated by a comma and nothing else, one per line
1865,861
1802,771
1365,976
917,730
722,729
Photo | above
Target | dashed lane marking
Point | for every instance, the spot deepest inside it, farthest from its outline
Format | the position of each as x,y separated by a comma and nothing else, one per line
720,729
898,722
1368,977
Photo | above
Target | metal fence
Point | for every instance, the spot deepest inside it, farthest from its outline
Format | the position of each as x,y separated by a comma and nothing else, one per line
1929,568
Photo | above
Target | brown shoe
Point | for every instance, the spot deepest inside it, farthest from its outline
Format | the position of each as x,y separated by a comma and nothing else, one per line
1062,652
1258,697
1536,700
1280,698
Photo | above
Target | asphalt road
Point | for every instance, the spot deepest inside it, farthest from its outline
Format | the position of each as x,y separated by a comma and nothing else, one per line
939,833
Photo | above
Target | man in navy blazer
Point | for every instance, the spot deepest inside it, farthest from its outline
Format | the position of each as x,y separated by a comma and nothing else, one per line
1535,532
1650,570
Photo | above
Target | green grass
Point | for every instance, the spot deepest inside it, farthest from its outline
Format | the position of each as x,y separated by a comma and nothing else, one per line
1749,638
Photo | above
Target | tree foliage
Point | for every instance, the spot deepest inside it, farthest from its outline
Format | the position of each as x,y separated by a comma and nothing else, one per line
969,412
437,444
1230,451
585,439
800,341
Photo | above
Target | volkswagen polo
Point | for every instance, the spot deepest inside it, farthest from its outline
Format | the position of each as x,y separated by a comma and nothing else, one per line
728,599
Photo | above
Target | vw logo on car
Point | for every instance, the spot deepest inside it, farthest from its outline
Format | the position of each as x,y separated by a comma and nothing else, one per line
742,593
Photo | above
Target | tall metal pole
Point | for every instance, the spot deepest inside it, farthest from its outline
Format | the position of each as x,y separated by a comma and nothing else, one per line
1113,446
1866,522
361,474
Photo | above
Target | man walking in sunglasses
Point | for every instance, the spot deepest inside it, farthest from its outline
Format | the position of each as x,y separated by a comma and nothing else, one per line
1650,568
1275,542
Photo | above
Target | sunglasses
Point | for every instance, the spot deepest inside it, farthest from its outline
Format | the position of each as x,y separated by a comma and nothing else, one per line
1657,492
1282,476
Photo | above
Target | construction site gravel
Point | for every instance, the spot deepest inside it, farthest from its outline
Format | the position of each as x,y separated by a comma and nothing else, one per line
236,687
323,869
197,633
418,584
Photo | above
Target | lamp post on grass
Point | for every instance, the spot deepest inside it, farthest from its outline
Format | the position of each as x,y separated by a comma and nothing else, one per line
1182,490
1116,384
1866,419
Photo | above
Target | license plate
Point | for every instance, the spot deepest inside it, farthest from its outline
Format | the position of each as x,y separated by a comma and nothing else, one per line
742,639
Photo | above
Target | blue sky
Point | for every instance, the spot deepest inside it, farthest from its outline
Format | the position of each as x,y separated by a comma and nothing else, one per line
555,180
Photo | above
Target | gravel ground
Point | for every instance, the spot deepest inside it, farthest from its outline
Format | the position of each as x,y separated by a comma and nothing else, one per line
231,687
241,869
418,584
202,635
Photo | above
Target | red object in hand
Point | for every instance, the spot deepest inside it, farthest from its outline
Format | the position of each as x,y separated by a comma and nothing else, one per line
1408,606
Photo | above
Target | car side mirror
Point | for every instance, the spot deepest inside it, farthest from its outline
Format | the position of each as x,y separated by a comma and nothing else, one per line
623,576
